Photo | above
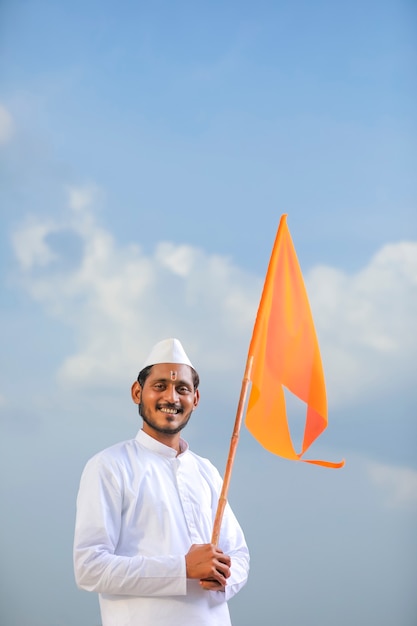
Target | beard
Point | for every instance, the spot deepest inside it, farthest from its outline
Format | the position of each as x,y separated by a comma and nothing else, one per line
165,430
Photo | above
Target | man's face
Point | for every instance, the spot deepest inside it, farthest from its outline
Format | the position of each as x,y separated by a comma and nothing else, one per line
167,399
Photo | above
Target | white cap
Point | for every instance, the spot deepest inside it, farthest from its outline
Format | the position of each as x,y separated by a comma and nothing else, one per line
167,351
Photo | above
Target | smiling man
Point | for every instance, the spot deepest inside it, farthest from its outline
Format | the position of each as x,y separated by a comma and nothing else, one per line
145,511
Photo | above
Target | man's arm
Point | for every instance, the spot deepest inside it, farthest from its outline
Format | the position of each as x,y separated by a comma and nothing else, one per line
97,567
97,533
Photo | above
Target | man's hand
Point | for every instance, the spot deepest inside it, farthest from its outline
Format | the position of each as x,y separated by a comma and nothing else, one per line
209,564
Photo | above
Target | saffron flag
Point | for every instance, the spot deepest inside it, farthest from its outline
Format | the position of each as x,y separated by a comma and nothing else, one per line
285,353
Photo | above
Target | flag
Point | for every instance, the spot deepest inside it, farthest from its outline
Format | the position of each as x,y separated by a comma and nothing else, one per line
285,353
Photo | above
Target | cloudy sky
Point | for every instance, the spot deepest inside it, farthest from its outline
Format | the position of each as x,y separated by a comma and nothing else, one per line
148,150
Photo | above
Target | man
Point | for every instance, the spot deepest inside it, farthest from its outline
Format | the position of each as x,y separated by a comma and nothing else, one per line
145,512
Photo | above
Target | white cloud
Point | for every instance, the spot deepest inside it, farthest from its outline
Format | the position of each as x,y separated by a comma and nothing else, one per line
366,323
119,301
6,125
30,245
399,484
178,259
80,198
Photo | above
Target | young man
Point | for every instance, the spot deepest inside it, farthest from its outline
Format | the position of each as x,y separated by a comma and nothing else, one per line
145,513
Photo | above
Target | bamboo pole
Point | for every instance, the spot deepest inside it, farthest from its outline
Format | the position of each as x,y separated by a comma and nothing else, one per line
232,453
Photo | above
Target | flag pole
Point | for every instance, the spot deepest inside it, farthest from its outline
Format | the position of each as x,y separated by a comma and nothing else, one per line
232,453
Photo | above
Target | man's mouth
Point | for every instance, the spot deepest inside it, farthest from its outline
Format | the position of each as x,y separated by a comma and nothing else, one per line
170,410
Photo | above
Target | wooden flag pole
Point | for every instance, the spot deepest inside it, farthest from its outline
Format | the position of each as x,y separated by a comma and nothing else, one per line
232,453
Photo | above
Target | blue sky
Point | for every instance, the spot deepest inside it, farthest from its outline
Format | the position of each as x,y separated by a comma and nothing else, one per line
147,153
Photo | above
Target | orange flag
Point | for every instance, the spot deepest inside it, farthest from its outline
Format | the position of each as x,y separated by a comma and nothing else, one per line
286,353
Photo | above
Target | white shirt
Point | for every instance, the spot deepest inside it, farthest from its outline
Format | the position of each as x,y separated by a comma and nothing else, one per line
140,507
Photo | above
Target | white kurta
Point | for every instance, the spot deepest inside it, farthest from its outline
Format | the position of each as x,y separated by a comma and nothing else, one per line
139,509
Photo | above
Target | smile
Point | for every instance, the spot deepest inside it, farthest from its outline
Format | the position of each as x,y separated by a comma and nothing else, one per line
170,411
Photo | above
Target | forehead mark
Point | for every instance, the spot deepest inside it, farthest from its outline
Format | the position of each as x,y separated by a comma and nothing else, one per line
173,375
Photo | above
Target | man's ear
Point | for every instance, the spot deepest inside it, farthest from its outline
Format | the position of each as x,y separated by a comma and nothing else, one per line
196,398
136,392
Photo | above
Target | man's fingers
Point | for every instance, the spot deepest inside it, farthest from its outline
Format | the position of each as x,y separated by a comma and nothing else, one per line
223,568
207,562
224,558
211,585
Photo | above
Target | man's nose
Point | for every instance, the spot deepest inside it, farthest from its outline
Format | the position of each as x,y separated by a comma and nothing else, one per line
171,394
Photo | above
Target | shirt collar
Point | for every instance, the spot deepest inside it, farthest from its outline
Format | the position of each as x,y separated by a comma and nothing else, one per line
160,448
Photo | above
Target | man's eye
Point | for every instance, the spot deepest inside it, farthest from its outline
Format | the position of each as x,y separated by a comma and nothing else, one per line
183,390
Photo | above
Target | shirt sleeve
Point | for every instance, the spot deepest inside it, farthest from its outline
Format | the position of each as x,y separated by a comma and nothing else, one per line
97,567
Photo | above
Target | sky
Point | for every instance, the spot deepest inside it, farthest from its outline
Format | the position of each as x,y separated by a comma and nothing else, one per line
148,151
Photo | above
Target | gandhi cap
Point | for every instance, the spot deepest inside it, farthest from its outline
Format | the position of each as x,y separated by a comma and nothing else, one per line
167,351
